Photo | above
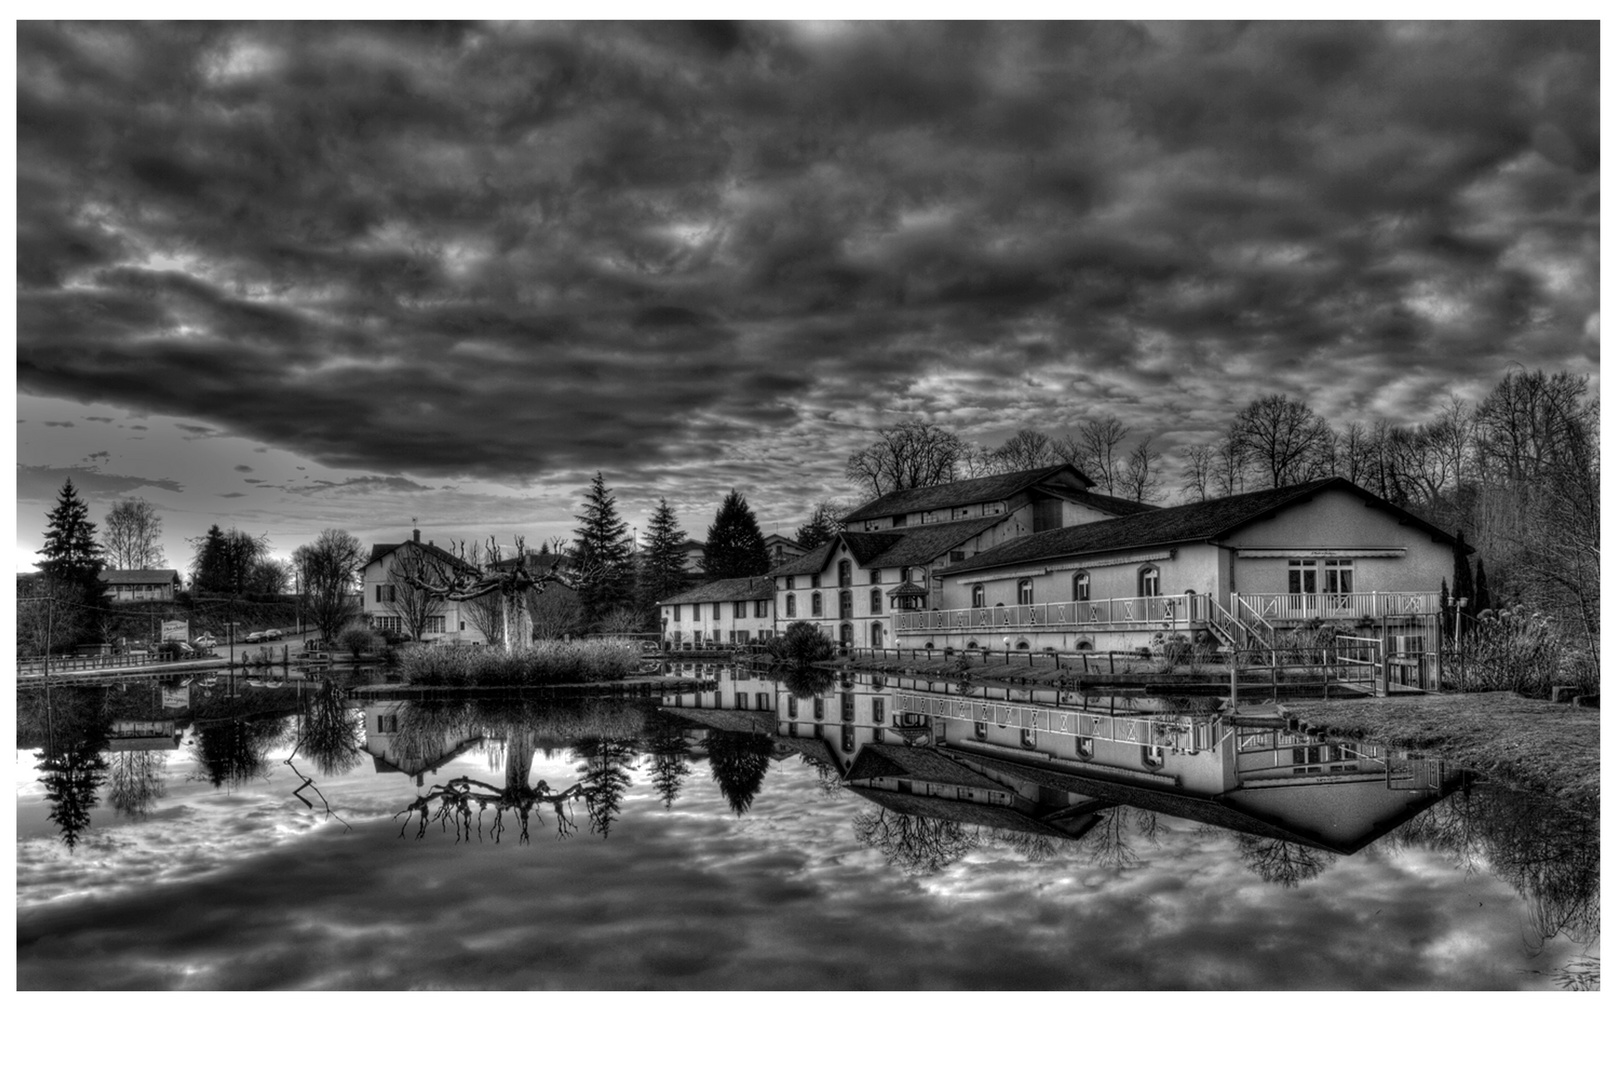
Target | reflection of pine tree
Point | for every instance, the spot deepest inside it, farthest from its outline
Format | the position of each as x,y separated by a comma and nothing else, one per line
604,770
136,781
74,767
739,760
671,764
916,845
233,752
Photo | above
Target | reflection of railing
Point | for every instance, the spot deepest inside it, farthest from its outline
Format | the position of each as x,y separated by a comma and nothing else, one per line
1185,612
1176,732
1367,605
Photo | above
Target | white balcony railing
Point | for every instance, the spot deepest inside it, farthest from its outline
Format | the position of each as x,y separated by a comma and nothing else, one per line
1183,612
1354,606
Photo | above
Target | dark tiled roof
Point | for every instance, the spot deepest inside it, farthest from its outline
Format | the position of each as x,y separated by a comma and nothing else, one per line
1108,504
139,577
915,763
732,589
984,815
963,492
914,546
455,563
1207,520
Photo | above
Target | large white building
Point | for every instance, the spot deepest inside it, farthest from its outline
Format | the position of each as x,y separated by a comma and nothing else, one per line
1035,560
389,605
731,611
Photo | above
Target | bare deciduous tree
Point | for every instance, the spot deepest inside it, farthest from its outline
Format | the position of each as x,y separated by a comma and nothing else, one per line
415,606
1026,449
1098,449
908,455
130,536
1285,439
330,568
1139,478
1197,474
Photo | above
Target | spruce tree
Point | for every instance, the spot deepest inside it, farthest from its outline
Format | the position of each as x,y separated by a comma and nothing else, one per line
602,555
735,547
664,563
1462,579
72,555
210,570
1482,591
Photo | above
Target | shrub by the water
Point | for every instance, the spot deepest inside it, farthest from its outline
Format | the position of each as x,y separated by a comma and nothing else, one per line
533,665
802,644
359,640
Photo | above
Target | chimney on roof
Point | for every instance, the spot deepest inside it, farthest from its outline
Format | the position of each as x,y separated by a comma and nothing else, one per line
416,535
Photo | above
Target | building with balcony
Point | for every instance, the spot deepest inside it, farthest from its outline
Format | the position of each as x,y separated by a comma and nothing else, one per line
890,557
134,586
1240,568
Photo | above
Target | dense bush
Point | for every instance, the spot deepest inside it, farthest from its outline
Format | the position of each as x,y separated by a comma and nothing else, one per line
1510,649
534,665
359,640
802,644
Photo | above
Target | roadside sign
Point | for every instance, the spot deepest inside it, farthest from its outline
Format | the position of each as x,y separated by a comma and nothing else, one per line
176,630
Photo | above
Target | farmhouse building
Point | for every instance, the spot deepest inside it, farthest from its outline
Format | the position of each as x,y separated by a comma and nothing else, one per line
731,611
132,586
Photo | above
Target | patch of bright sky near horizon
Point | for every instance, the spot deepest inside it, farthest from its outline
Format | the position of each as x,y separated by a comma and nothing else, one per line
284,278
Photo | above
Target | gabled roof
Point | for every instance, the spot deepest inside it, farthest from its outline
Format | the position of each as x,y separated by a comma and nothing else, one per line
140,577
917,545
963,492
378,551
1211,519
1108,504
726,589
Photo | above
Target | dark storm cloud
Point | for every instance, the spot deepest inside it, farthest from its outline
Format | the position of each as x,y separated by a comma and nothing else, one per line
545,250
41,484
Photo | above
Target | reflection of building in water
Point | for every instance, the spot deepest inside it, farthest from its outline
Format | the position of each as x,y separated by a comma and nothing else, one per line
142,735
417,750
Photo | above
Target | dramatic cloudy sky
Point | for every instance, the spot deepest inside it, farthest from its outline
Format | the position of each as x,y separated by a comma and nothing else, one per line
298,276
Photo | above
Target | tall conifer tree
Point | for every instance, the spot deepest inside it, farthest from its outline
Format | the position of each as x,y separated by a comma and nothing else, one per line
735,547
664,562
602,555
71,554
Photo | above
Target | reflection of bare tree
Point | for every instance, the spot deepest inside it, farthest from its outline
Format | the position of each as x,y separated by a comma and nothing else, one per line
460,805
828,778
135,781
332,732
738,761
1033,847
1108,844
1147,823
1547,850
234,752
916,845
1281,862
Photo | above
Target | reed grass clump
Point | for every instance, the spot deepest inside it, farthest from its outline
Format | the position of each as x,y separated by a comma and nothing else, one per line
539,664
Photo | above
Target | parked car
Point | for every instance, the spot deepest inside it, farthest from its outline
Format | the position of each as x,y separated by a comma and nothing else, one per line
264,635
205,641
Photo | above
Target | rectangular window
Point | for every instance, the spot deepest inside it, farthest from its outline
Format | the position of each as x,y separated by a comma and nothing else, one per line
676,608
1337,575
717,610
818,709
793,710
435,625
387,723
1301,576
739,610
762,701
742,700
958,556
876,577
877,711
899,520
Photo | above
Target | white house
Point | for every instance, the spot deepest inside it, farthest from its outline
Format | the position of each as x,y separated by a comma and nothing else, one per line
1235,567
892,551
731,611
388,604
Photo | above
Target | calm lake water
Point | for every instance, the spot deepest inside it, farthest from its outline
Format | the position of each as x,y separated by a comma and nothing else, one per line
866,834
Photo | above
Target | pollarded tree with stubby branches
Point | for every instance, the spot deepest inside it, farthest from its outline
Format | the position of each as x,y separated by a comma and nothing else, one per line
495,594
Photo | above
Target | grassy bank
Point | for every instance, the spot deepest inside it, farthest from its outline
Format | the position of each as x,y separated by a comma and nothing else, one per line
1526,743
540,664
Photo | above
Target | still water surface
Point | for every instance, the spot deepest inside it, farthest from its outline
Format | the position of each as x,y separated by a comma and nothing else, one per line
755,836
